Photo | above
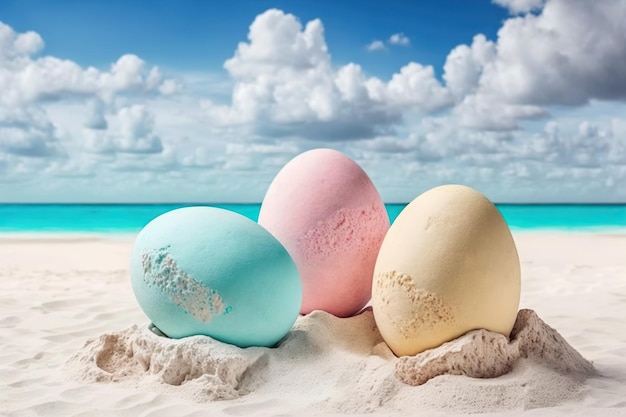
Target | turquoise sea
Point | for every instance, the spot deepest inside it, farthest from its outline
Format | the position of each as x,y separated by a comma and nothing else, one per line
129,219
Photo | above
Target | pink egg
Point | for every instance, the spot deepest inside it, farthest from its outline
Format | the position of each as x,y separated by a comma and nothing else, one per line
327,213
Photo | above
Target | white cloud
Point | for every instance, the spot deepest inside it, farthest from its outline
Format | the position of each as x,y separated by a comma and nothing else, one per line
96,119
33,140
563,162
512,113
464,66
27,132
570,53
520,6
26,78
14,45
376,45
277,40
395,39
133,133
489,112
415,86
137,131
285,84
590,146
170,87
399,39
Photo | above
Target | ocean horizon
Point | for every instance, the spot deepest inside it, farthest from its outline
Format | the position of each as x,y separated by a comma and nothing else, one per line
122,218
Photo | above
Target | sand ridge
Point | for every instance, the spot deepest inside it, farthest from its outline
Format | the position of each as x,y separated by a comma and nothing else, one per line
323,345
485,354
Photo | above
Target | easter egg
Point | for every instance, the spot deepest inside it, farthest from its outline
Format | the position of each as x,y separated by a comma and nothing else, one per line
327,213
448,265
209,271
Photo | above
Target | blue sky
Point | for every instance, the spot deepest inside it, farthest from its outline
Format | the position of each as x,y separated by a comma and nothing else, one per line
197,35
188,101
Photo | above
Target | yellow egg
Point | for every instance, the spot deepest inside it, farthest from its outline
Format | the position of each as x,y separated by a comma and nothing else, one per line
447,265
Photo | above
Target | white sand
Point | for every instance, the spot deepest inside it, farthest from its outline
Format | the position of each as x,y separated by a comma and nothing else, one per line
58,294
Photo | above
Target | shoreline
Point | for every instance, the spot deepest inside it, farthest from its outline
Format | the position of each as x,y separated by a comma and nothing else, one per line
63,236
117,235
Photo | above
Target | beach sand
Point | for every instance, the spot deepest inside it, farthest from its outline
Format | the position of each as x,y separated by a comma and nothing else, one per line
74,342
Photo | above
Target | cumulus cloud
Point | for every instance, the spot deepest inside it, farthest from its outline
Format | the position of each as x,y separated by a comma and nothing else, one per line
414,87
568,54
464,66
170,87
27,78
134,134
258,156
399,39
34,140
285,84
137,131
96,119
14,45
27,132
520,6
489,112
572,52
395,39
587,146
475,130
492,122
376,45
571,161
417,146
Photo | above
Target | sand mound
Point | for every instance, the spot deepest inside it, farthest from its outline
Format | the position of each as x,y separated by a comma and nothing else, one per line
209,369
342,365
484,354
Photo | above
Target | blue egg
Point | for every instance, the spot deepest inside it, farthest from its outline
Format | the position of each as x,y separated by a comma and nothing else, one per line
209,271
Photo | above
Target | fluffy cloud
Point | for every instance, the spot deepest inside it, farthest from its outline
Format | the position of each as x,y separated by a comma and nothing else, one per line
30,83
137,131
568,54
464,66
96,119
570,161
520,6
414,87
170,87
395,39
13,45
508,113
27,132
399,39
376,45
134,133
589,146
572,52
27,78
489,112
285,85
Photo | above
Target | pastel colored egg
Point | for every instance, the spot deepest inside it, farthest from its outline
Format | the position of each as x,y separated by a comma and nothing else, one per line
209,271
448,265
326,211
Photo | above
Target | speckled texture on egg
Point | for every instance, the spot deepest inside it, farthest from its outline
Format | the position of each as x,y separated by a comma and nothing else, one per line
208,271
447,265
326,211
425,309
161,271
